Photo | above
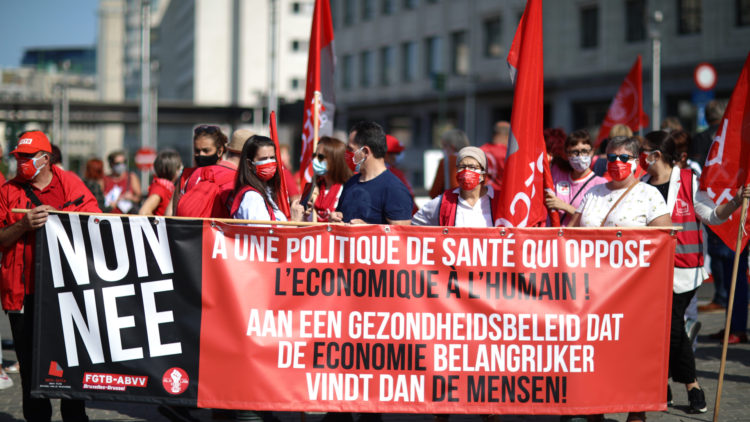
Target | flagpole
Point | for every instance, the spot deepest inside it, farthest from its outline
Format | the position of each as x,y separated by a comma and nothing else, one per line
316,135
730,305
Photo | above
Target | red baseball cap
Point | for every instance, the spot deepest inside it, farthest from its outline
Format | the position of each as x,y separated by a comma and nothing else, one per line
32,142
394,145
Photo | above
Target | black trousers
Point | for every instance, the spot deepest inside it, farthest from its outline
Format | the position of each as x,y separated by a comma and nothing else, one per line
37,410
681,357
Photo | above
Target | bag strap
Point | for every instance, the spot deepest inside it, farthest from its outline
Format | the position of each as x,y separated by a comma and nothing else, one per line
593,176
617,202
31,195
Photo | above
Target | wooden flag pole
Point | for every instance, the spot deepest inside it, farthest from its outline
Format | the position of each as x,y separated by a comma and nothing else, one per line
730,305
316,135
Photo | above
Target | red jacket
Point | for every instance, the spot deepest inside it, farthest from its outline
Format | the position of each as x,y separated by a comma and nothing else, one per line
18,259
689,250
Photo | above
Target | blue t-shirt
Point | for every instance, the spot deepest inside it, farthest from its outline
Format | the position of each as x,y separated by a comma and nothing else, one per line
374,201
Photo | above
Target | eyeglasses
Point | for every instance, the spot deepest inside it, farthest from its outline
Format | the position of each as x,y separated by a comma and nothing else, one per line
623,157
470,167
320,157
206,129
577,152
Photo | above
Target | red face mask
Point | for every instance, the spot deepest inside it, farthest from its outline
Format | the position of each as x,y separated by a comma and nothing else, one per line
27,168
468,179
265,169
349,159
619,171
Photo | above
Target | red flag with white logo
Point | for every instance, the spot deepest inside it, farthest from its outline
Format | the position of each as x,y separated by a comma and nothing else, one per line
521,202
321,63
725,169
627,106
283,195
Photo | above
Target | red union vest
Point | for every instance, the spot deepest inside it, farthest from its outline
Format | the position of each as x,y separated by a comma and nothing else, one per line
238,200
689,251
448,206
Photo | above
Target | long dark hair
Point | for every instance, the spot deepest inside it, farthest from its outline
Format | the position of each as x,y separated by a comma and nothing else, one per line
664,143
246,170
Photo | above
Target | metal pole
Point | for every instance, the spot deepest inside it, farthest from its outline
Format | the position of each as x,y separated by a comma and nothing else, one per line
272,95
145,82
56,113
656,71
64,147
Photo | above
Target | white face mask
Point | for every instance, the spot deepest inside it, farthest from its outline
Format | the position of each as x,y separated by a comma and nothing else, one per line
580,163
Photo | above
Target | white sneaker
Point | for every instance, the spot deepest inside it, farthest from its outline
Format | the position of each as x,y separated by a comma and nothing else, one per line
5,381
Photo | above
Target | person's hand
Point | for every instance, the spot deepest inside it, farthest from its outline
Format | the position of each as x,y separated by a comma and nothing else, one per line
743,192
357,221
336,217
552,201
36,217
297,210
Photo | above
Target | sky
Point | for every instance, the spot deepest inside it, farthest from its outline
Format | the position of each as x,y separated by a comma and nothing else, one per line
44,23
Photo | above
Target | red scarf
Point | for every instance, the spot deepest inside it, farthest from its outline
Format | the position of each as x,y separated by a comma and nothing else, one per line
326,202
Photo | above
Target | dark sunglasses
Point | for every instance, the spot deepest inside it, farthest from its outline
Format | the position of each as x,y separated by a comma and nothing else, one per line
623,157
206,129
320,157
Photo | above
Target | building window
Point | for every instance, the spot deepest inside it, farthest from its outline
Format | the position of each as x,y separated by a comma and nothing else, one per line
386,65
367,9
410,4
635,20
459,53
387,7
743,12
300,46
295,83
492,46
348,71
433,58
365,69
408,61
302,8
589,26
348,12
689,15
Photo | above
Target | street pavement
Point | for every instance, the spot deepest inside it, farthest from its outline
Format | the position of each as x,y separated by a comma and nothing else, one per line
735,400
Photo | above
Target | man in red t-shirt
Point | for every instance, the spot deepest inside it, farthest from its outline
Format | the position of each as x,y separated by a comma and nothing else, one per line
496,150
40,187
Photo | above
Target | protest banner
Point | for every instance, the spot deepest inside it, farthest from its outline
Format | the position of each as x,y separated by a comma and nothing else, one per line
353,318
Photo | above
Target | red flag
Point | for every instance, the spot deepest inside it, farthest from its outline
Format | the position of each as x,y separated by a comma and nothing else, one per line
521,202
627,106
321,62
282,197
725,169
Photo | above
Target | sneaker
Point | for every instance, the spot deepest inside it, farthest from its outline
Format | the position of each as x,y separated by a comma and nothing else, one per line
692,331
12,368
697,400
5,381
669,396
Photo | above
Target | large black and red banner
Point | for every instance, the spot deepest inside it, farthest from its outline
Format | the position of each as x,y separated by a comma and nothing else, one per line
353,318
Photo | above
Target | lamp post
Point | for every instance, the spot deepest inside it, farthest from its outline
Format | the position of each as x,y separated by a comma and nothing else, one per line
656,70
145,83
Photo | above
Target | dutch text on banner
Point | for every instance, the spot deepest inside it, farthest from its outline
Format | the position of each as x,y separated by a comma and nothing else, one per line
364,319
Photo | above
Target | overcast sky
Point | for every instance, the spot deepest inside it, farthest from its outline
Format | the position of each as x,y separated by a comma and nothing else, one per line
44,23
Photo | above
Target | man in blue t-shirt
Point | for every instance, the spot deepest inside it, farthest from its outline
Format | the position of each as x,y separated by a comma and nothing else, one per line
374,195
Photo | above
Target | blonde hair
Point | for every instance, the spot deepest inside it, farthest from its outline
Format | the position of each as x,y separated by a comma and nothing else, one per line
620,130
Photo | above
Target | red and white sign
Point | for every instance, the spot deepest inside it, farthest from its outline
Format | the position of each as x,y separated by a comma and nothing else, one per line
175,381
705,76
144,158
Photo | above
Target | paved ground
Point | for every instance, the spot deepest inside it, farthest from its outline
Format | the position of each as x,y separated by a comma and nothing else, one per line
735,401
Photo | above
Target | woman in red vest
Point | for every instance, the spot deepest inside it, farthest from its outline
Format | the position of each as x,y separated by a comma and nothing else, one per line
258,183
688,207
468,205
331,171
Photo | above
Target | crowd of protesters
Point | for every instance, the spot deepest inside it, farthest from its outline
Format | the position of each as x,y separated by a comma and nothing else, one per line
630,180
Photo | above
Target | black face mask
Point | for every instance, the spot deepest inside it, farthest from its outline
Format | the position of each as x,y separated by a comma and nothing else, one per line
206,160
